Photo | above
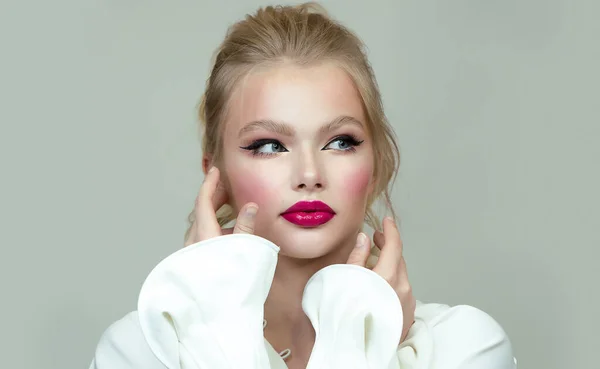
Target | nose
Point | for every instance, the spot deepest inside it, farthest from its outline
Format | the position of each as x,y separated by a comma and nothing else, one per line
308,173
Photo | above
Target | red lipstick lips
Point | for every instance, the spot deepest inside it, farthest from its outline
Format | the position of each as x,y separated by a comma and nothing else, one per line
308,214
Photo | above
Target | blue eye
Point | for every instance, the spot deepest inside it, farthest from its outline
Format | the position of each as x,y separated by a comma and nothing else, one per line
265,147
343,143
268,147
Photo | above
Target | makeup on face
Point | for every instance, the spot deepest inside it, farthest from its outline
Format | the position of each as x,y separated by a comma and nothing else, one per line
297,145
308,214
264,147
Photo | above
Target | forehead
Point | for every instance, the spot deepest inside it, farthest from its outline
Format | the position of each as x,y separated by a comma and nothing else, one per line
304,97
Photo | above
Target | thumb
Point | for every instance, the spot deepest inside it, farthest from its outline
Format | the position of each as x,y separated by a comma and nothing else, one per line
360,253
245,219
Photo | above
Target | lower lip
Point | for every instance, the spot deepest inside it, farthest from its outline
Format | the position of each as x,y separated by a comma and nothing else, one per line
308,219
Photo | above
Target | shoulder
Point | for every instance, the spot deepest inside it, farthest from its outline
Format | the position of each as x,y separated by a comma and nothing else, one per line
460,337
123,346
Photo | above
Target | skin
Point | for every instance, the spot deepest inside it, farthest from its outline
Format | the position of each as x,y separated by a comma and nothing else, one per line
314,167
301,162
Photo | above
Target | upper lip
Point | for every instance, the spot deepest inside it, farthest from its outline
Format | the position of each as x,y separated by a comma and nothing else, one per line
309,206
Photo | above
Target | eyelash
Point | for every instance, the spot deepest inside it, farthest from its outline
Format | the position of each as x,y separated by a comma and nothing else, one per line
256,145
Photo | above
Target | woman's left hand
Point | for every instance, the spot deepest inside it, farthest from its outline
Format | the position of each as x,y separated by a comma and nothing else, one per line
391,266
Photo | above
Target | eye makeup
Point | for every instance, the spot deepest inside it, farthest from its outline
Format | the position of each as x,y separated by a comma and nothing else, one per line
268,147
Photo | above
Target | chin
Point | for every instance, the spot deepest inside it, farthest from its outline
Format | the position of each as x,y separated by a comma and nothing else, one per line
304,243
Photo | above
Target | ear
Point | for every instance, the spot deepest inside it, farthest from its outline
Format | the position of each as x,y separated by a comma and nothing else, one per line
206,163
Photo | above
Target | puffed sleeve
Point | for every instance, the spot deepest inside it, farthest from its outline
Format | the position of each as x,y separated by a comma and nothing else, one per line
459,337
201,307
357,318
122,346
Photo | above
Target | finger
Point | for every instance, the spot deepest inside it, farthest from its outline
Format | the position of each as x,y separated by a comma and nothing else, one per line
378,242
402,286
361,251
191,239
391,252
378,239
207,225
219,197
403,271
191,232
245,220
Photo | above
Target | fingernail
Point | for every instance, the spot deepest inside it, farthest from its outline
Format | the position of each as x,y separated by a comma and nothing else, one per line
391,221
212,169
361,240
251,211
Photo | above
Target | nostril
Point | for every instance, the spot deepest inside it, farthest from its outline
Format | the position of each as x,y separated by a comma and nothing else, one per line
304,186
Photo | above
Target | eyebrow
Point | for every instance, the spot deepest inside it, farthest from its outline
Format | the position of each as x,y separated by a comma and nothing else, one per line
287,130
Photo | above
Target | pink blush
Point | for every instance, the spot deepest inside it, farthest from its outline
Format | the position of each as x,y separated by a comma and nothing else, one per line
250,188
357,182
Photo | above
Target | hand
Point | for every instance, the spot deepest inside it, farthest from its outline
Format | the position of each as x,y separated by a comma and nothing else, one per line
211,197
391,266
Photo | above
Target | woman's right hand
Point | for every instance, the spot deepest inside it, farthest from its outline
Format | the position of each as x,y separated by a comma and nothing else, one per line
211,197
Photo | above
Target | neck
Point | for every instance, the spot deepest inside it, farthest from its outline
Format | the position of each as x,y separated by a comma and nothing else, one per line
288,327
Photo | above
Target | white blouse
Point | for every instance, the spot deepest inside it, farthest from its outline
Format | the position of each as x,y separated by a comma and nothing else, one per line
202,308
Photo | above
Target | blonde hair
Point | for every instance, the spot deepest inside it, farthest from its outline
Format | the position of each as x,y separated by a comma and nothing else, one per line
304,35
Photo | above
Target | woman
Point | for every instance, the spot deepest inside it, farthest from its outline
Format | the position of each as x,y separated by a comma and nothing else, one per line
297,145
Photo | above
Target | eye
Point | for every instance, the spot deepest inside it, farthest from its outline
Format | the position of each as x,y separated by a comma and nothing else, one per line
343,143
265,147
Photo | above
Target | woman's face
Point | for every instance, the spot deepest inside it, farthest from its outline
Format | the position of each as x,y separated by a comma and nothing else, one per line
297,134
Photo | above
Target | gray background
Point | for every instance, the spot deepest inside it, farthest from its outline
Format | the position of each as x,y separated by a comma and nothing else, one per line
495,104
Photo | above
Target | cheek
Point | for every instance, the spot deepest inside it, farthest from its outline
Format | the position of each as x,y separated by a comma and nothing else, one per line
358,182
250,186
